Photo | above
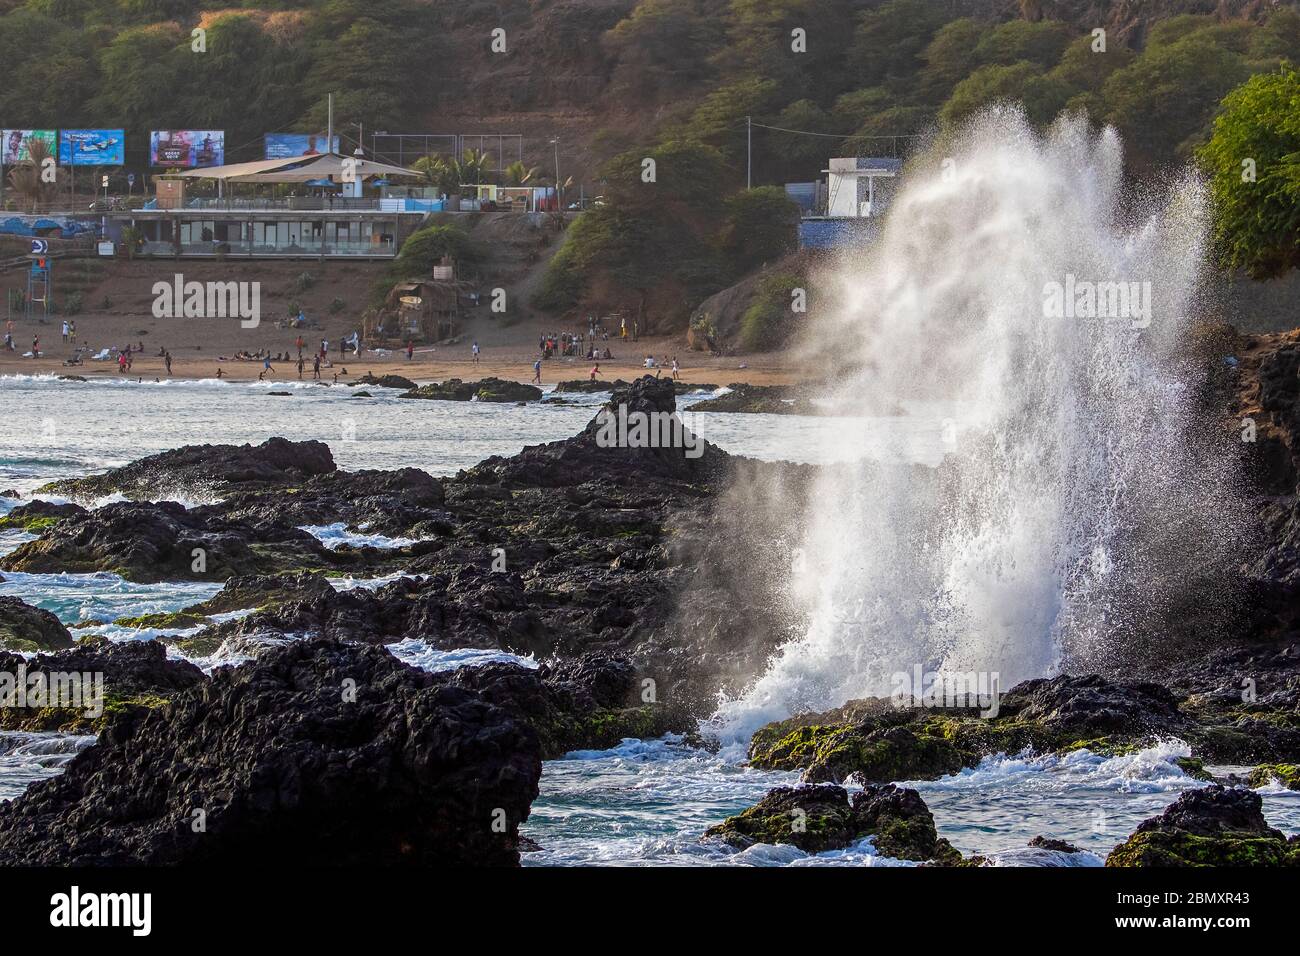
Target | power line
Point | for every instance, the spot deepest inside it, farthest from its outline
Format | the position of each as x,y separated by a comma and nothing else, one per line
840,136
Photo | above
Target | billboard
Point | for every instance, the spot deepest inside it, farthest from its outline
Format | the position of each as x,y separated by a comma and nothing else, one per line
91,147
16,143
187,148
287,145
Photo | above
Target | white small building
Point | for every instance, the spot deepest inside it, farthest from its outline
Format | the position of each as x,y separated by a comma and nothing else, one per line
859,187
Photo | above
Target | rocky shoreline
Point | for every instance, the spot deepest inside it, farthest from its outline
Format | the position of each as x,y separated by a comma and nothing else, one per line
621,569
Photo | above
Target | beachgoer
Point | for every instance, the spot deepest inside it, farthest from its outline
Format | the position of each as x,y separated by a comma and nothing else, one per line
410,349
36,346
167,360
537,372
65,330
315,368
475,350
595,370
300,366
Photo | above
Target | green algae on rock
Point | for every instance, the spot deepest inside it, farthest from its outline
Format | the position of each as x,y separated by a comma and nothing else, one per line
1211,826
820,817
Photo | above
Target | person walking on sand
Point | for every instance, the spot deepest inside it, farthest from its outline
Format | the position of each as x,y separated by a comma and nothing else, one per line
595,370
167,360
65,331
537,372
676,368
410,349
300,366
266,365
36,346
475,351
315,368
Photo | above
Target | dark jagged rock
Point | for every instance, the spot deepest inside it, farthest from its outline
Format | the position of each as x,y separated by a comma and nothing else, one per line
264,590
287,763
588,387
1212,826
385,381
759,399
820,817
195,470
876,741
163,541
135,674
27,628
1056,846
38,515
404,502
486,390
1245,702
582,458
1092,706
592,703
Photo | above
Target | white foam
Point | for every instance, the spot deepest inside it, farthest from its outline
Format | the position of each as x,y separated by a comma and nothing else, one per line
1059,432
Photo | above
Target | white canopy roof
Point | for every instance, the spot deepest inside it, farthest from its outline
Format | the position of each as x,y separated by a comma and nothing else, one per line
296,169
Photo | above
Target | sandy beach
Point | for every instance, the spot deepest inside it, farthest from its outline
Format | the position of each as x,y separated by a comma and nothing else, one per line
198,351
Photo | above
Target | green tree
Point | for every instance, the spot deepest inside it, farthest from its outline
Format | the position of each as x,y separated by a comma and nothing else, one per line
1253,161
769,320
761,226
949,58
651,247
890,39
986,85
1164,101
1015,41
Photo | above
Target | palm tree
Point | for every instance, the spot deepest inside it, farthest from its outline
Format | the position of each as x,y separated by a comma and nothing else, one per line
473,166
438,173
517,174
27,177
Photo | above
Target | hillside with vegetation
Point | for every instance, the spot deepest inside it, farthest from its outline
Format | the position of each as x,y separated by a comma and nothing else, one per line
622,81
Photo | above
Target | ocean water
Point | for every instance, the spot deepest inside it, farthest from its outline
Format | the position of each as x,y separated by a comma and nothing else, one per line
644,803
54,429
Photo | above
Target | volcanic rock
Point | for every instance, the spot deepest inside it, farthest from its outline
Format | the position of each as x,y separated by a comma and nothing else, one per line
318,754
1212,826
820,817
486,390
27,628
197,470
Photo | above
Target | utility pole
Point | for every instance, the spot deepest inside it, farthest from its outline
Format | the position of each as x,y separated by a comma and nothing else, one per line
749,152
559,199
329,133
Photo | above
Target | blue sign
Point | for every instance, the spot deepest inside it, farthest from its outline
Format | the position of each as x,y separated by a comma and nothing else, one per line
40,247
92,147
289,145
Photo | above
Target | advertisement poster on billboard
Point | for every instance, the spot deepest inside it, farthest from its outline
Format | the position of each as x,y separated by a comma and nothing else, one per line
288,145
187,148
92,147
17,144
